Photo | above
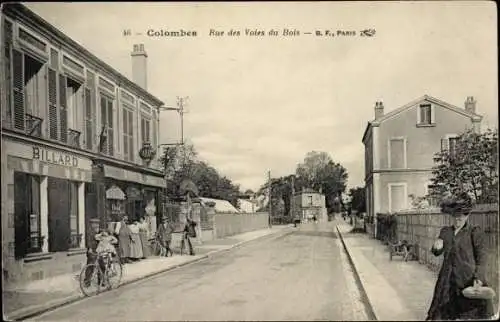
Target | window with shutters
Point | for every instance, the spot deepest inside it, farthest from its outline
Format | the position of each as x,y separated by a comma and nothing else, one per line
53,115
74,99
7,72
63,110
29,93
145,129
89,123
425,115
107,138
128,135
449,143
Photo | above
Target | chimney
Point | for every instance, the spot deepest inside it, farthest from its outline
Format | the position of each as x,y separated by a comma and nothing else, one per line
470,105
139,66
379,110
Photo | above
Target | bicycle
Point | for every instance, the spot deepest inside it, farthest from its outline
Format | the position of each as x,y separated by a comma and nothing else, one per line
109,279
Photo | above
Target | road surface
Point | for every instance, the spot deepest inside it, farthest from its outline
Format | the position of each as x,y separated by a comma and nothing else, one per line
303,275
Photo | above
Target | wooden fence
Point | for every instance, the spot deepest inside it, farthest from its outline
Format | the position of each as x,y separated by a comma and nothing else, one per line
422,228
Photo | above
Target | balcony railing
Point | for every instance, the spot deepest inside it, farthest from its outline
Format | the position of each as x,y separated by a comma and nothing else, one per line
33,125
74,138
75,240
36,244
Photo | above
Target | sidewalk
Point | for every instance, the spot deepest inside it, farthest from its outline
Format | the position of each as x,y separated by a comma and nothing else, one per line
396,290
39,296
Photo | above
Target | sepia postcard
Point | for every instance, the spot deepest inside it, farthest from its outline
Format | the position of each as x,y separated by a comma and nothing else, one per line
249,161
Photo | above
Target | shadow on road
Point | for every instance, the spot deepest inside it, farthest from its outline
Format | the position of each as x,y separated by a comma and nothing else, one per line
312,233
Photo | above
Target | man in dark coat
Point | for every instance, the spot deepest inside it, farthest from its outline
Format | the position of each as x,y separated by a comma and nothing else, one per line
464,265
189,232
164,236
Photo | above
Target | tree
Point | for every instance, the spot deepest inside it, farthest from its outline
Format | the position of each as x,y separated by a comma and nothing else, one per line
358,200
319,171
469,164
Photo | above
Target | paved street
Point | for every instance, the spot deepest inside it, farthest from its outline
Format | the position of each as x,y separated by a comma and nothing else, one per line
304,275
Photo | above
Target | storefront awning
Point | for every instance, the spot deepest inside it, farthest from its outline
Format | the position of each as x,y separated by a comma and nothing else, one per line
115,193
132,176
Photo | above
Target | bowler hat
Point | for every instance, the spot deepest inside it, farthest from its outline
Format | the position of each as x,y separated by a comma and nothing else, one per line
460,203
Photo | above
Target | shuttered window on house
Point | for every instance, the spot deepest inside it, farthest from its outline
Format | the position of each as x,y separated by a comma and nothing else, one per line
63,119
53,117
154,128
131,150
145,130
88,120
107,123
18,90
128,135
8,70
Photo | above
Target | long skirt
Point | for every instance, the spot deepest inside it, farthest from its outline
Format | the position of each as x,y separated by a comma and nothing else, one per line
136,247
124,245
145,244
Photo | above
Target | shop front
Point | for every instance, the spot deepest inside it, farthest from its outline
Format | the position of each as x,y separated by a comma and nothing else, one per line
125,192
43,209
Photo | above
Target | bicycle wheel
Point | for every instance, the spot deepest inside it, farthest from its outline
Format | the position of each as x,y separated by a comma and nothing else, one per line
90,284
114,274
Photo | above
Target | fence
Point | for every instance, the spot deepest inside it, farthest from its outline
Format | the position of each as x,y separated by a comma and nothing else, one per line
232,224
422,228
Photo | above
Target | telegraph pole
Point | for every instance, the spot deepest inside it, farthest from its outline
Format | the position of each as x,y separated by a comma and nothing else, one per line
269,196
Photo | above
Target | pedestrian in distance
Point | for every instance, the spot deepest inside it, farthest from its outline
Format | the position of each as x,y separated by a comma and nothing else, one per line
464,266
164,236
188,233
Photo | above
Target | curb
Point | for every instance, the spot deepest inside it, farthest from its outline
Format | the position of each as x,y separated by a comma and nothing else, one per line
366,300
27,313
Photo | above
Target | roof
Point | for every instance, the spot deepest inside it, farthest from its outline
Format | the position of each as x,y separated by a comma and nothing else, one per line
23,13
407,106
221,206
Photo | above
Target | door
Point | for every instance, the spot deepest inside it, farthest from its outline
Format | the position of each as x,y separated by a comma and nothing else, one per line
21,209
59,214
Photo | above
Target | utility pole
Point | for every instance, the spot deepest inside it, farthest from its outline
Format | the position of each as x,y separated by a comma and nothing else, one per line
292,199
269,196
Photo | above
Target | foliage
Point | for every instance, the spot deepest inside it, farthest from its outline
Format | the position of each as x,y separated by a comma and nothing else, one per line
181,163
358,200
471,166
319,171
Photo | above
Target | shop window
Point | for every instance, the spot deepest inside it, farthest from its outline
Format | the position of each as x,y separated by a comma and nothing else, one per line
27,232
64,230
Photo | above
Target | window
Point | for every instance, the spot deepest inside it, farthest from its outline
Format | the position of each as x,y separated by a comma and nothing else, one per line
29,93
74,99
397,153
145,130
73,215
107,123
425,114
27,232
128,135
449,143
310,198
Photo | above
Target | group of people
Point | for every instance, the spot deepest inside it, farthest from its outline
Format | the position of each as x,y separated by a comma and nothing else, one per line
133,239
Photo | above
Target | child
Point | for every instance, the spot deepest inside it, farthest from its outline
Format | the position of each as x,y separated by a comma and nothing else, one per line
106,242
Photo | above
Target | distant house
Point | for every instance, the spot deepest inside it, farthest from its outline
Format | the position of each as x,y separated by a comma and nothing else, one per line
400,146
247,206
307,204
220,206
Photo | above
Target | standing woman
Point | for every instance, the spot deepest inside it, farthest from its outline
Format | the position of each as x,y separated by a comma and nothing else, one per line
464,265
136,245
144,233
124,239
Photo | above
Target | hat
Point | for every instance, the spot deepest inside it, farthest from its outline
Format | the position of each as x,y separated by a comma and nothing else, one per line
460,203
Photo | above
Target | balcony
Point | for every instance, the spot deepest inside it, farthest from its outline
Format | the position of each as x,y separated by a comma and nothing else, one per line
75,240
74,138
33,125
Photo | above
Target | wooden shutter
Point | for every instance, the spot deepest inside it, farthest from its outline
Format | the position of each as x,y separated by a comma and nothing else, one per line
63,118
131,136
110,127
8,83
125,134
18,90
53,124
104,123
154,134
89,137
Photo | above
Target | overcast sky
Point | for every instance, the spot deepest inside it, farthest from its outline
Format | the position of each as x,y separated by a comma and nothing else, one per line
259,103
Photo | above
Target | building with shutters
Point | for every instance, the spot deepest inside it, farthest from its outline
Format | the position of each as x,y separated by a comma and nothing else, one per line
78,146
308,204
400,146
